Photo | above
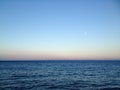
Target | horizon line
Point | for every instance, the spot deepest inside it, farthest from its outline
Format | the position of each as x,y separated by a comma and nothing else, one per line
65,60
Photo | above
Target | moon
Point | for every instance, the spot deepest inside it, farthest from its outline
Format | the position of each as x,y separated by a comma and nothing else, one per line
85,33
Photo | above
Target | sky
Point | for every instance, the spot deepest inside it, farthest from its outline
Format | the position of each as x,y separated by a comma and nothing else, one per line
59,29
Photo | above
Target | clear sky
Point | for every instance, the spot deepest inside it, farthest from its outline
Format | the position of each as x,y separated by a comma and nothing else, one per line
59,29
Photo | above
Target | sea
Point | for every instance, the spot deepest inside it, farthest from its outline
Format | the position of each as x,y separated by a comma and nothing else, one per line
60,75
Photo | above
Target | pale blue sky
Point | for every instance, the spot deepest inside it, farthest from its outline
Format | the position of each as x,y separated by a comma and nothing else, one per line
60,26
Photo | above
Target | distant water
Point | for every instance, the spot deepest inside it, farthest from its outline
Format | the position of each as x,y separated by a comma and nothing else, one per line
60,75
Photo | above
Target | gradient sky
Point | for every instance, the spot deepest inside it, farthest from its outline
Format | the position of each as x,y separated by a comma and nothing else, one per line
59,29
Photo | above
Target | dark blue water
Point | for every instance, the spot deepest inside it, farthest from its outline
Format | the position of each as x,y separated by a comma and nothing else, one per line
59,75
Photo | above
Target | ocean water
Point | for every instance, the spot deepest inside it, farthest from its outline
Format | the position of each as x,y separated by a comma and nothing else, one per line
60,75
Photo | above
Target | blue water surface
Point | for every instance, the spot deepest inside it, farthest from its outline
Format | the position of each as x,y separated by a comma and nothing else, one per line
60,75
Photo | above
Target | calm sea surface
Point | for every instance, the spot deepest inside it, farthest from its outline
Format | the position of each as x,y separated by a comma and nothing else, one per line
60,75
